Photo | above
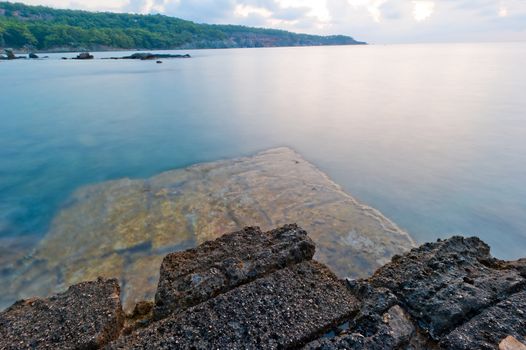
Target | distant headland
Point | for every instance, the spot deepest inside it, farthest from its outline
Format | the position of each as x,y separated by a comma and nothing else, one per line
39,28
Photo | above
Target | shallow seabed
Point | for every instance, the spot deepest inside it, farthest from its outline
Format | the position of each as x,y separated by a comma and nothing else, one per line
124,228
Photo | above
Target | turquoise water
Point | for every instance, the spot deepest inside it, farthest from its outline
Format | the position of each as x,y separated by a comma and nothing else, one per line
434,136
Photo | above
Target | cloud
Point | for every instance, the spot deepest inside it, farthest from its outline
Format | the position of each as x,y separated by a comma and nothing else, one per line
377,21
423,9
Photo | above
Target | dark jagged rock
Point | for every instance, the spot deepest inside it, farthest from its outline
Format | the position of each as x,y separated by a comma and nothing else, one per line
507,318
445,283
391,330
453,292
33,55
84,56
251,290
86,316
190,277
282,310
149,56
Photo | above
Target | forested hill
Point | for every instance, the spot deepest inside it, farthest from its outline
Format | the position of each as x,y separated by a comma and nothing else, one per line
44,28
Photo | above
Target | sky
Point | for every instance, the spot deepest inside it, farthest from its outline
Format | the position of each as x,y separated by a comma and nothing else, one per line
374,21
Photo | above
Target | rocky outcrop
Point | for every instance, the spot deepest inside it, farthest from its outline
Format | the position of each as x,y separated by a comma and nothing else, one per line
261,290
282,310
9,55
148,56
191,277
84,56
453,292
86,316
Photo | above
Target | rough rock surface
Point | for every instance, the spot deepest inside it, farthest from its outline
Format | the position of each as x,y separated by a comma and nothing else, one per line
507,318
253,290
86,316
282,310
124,228
453,292
190,277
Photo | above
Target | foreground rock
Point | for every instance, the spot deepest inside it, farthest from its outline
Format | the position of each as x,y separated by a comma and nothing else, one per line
215,267
453,293
86,316
282,310
124,228
256,290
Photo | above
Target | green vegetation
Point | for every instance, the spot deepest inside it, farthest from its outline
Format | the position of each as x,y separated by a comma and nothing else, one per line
44,28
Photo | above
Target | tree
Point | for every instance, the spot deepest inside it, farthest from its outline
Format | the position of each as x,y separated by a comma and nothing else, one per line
47,28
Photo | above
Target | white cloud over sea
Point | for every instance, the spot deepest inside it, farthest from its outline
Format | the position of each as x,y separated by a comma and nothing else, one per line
377,21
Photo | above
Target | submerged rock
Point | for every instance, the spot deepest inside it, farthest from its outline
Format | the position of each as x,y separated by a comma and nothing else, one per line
124,228
86,316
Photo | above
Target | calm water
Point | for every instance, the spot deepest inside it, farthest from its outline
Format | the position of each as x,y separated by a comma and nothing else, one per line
432,135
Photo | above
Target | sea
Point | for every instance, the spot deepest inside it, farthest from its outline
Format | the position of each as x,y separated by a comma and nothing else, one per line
432,135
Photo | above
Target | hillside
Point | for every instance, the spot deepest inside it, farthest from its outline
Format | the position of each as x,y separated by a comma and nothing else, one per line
44,28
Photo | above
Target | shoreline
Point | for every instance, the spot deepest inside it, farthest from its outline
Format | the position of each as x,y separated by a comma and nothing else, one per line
95,50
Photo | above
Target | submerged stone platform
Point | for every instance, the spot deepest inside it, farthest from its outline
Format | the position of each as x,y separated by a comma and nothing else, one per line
124,228
261,290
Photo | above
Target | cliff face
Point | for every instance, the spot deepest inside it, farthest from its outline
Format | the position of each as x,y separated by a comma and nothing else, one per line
252,289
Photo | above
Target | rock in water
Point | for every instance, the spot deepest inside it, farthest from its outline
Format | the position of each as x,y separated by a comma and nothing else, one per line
10,54
86,316
191,277
124,228
84,56
33,55
144,56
